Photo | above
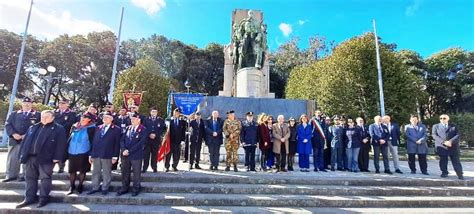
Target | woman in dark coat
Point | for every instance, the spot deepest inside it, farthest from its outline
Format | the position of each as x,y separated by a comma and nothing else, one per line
293,143
353,141
79,146
264,140
271,155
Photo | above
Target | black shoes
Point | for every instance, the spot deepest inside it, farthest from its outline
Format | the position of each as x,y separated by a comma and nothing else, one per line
71,190
42,203
175,169
377,171
21,179
80,188
24,203
461,177
227,168
197,166
121,192
167,170
398,171
8,180
235,168
444,175
135,193
388,172
425,173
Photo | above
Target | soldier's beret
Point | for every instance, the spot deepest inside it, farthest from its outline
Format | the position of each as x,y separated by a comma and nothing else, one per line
177,110
231,112
249,113
198,113
136,115
27,100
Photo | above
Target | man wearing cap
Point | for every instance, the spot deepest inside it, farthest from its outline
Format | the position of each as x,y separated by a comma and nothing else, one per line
155,126
248,137
231,130
65,117
105,152
43,146
134,110
196,138
109,108
16,126
131,150
214,138
177,135
92,109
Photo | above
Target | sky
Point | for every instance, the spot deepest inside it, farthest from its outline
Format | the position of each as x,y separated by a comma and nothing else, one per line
425,26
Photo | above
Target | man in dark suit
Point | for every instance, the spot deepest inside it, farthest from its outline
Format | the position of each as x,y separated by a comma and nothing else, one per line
214,138
416,136
44,145
177,135
155,126
131,150
318,142
196,138
105,152
393,141
248,137
379,134
16,126
65,117
364,147
446,136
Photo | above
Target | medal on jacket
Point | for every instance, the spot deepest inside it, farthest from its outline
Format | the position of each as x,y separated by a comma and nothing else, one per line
65,118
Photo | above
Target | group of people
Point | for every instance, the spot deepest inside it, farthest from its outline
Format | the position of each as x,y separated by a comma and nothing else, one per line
38,141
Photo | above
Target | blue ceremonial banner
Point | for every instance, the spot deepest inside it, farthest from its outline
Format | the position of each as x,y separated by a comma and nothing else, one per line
188,103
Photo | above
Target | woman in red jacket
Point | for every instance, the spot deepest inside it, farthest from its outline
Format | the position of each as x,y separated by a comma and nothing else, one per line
265,143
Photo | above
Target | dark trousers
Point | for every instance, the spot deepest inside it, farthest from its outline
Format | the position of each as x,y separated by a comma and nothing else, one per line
174,150
421,161
250,157
327,157
291,161
384,151
318,157
129,166
151,150
214,153
35,171
364,157
195,148
443,163
281,158
186,148
264,158
336,157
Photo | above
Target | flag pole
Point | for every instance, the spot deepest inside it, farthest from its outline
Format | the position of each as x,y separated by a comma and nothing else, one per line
114,68
379,70
17,74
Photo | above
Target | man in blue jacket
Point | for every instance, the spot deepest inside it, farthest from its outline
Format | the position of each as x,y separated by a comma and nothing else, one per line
105,152
155,126
214,138
415,133
379,135
16,126
131,150
43,146
393,141
248,137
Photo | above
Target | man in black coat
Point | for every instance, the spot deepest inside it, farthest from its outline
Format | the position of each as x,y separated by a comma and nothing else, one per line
177,135
248,137
155,126
43,146
65,117
196,138
105,152
364,147
16,126
214,138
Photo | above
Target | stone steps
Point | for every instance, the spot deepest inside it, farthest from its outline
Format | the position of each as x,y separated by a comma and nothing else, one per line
326,190
60,208
190,199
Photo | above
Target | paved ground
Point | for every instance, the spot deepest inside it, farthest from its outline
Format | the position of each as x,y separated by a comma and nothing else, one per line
433,169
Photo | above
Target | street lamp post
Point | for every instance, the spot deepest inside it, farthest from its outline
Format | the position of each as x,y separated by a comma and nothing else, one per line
49,79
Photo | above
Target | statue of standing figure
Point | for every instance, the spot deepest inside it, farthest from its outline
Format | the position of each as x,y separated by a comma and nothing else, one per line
249,43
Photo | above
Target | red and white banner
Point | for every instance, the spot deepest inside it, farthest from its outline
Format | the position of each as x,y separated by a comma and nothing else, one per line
132,98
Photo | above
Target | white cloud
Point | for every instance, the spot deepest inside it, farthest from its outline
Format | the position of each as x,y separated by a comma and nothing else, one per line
150,6
302,22
44,24
286,29
413,8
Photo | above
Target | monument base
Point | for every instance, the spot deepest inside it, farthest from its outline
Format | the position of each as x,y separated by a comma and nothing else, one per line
241,105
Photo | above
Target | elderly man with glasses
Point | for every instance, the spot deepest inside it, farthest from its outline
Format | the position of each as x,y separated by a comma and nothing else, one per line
446,136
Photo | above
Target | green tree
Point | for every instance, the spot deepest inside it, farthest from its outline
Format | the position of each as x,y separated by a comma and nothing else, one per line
345,82
145,76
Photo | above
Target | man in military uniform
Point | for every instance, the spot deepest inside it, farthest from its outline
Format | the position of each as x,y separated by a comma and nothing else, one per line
16,126
231,130
65,117
248,136
155,126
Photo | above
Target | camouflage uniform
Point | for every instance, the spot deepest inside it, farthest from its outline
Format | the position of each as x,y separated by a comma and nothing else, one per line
232,142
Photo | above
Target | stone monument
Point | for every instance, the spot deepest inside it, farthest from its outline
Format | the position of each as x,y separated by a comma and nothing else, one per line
246,68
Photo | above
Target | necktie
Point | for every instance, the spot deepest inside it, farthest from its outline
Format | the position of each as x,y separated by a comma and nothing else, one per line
176,122
102,133
132,133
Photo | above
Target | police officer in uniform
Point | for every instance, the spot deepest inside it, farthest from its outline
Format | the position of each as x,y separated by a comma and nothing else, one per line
65,117
248,137
16,126
231,130
155,126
